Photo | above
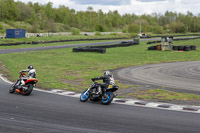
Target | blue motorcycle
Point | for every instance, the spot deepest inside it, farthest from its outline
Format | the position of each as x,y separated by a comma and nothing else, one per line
94,93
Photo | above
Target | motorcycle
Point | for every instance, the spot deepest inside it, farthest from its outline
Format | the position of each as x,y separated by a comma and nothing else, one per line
94,93
24,89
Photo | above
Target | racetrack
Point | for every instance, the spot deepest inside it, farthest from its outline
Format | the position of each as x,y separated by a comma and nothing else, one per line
51,113
5,51
180,75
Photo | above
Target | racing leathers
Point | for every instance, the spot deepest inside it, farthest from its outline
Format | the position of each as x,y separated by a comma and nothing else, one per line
31,75
107,80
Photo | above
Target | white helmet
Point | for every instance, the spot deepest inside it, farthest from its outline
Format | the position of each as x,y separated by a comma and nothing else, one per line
106,72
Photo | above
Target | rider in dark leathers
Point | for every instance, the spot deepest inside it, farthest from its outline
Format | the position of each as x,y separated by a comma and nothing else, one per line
107,80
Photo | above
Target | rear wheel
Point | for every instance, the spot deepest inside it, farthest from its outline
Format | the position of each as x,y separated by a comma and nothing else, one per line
84,96
27,91
12,88
109,98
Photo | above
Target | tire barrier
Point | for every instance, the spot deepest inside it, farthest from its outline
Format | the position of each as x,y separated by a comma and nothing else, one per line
87,49
181,48
122,44
175,48
102,48
178,39
152,48
12,44
56,41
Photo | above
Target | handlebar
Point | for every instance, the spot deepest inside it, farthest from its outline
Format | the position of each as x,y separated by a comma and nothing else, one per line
22,74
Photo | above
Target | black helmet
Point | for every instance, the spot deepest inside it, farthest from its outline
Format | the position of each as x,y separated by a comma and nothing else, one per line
106,72
30,67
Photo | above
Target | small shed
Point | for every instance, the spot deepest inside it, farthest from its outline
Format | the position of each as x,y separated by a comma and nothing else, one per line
15,33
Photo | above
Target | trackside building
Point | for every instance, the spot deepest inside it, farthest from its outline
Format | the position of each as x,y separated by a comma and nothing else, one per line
15,33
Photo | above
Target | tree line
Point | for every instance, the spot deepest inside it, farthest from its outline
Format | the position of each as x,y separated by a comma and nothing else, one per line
46,18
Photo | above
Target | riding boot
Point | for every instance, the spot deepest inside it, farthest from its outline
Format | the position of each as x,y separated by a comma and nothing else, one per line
104,94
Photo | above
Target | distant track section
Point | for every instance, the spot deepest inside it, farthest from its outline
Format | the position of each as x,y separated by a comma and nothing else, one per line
179,75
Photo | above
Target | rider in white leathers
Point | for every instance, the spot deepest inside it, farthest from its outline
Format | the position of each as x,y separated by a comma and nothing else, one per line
31,74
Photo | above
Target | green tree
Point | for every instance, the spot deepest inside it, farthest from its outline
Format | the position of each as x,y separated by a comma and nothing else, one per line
10,10
177,27
25,12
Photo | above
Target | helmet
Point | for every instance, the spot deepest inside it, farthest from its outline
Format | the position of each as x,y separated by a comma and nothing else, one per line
30,67
106,72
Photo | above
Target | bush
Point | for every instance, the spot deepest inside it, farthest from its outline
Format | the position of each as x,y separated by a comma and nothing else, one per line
134,34
125,29
75,31
1,28
97,33
133,28
100,28
113,34
177,27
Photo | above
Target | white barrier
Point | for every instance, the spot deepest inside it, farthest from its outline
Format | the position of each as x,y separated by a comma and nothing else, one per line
28,35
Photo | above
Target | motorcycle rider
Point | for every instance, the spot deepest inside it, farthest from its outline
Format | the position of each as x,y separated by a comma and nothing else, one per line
31,75
107,80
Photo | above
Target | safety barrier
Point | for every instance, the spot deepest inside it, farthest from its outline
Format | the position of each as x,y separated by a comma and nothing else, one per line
102,48
177,48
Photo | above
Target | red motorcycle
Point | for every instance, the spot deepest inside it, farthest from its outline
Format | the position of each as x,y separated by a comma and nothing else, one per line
23,89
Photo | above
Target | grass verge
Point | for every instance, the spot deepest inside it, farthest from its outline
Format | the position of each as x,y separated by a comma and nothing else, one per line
161,94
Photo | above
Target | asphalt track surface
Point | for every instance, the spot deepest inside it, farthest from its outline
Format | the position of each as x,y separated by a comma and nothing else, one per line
184,76
51,113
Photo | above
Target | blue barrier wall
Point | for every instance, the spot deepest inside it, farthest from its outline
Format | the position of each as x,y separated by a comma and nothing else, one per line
15,33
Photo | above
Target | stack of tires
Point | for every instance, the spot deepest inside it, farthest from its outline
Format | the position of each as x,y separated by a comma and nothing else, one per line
152,48
102,48
175,48
88,49
184,48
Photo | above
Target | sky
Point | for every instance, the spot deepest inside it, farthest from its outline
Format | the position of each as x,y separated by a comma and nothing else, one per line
137,7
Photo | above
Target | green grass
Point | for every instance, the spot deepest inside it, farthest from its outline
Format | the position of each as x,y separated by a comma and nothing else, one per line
164,95
63,69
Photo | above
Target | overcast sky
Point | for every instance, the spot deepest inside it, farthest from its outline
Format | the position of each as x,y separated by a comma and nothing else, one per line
128,6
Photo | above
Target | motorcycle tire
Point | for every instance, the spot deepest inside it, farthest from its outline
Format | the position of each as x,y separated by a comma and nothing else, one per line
12,89
109,98
84,98
28,91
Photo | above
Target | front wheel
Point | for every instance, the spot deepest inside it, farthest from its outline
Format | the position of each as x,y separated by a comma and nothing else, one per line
12,89
27,91
84,96
109,98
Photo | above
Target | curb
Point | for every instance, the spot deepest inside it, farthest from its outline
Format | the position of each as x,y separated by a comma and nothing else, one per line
132,102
